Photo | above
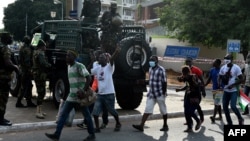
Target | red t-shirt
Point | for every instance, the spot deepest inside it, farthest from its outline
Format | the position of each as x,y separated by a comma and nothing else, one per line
197,71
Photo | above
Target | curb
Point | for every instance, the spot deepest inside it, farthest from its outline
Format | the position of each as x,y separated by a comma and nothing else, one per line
52,124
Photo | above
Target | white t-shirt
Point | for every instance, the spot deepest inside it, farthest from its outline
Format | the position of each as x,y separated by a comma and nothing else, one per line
104,78
235,72
247,74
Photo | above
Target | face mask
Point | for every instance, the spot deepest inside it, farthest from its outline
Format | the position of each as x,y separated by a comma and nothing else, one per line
226,61
151,63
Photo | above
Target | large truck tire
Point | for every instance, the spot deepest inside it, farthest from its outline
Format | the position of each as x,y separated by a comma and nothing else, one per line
133,57
127,98
61,87
15,84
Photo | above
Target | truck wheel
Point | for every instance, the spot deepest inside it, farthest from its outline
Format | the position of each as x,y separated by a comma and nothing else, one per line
61,88
133,57
15,84
128,99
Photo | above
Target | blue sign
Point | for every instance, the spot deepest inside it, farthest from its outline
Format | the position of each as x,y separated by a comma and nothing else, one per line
182,51
73,13
233,45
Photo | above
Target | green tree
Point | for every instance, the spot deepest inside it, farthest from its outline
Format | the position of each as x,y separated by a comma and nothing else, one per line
37,11
210,22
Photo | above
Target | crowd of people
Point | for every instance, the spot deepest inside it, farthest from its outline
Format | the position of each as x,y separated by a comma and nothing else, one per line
225,80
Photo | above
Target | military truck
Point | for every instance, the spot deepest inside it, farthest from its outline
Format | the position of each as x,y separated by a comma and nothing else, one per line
83,36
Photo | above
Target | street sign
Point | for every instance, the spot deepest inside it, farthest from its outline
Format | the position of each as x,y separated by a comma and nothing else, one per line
233,45
182,51
73,13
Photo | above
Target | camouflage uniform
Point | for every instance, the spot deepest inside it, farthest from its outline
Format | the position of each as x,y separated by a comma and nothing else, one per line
6,69
5,76
25,55
40,66
110,31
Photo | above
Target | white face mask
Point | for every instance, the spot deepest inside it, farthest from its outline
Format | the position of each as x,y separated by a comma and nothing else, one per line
227,61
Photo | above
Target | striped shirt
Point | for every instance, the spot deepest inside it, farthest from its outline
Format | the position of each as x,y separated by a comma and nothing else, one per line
76,76
157,75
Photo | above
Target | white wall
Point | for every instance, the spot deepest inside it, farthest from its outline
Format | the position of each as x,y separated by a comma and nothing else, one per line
209,54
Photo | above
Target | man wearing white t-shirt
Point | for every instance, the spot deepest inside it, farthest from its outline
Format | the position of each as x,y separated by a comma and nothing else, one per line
235,78
106,90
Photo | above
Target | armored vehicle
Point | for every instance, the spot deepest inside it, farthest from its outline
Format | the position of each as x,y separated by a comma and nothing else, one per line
130,66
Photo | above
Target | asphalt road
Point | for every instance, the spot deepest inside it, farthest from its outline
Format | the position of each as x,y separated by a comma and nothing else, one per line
207,132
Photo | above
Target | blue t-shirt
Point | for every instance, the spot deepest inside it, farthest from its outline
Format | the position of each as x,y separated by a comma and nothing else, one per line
214,74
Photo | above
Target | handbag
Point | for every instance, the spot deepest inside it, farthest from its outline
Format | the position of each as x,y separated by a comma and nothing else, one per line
86,98
225,78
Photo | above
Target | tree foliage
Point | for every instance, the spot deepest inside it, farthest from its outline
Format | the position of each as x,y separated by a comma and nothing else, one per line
37,11
210,22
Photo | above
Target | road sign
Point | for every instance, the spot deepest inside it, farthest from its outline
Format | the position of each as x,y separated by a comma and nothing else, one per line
73,13
233,45
182,51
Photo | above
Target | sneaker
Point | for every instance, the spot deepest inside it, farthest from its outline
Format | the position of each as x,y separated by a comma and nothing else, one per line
138,127
219,118
245,113
188,130
5,122
164,128
103,126
52,136
97,130
117,127
81,125
212,119
20,105
241,122
91,137
198,125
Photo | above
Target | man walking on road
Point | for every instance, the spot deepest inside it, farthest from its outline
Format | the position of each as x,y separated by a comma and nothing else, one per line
231,76
156,94
198,72
79,80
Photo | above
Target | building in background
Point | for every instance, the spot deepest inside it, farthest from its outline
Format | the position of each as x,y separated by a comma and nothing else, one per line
132,11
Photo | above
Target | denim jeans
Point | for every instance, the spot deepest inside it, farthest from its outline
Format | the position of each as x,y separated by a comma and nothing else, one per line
107,101
105,114
232,98
68,106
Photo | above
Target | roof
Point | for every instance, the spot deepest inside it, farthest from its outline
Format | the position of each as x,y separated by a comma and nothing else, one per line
147,3
150,2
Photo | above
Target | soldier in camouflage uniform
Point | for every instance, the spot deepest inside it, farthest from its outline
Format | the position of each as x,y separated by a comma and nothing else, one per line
111,23
25,55
40,67
6,69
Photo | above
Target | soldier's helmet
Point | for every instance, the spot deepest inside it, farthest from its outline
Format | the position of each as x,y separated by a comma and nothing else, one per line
113,5
6,38
26,39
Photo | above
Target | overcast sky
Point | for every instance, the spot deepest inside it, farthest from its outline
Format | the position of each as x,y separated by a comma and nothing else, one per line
3,3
